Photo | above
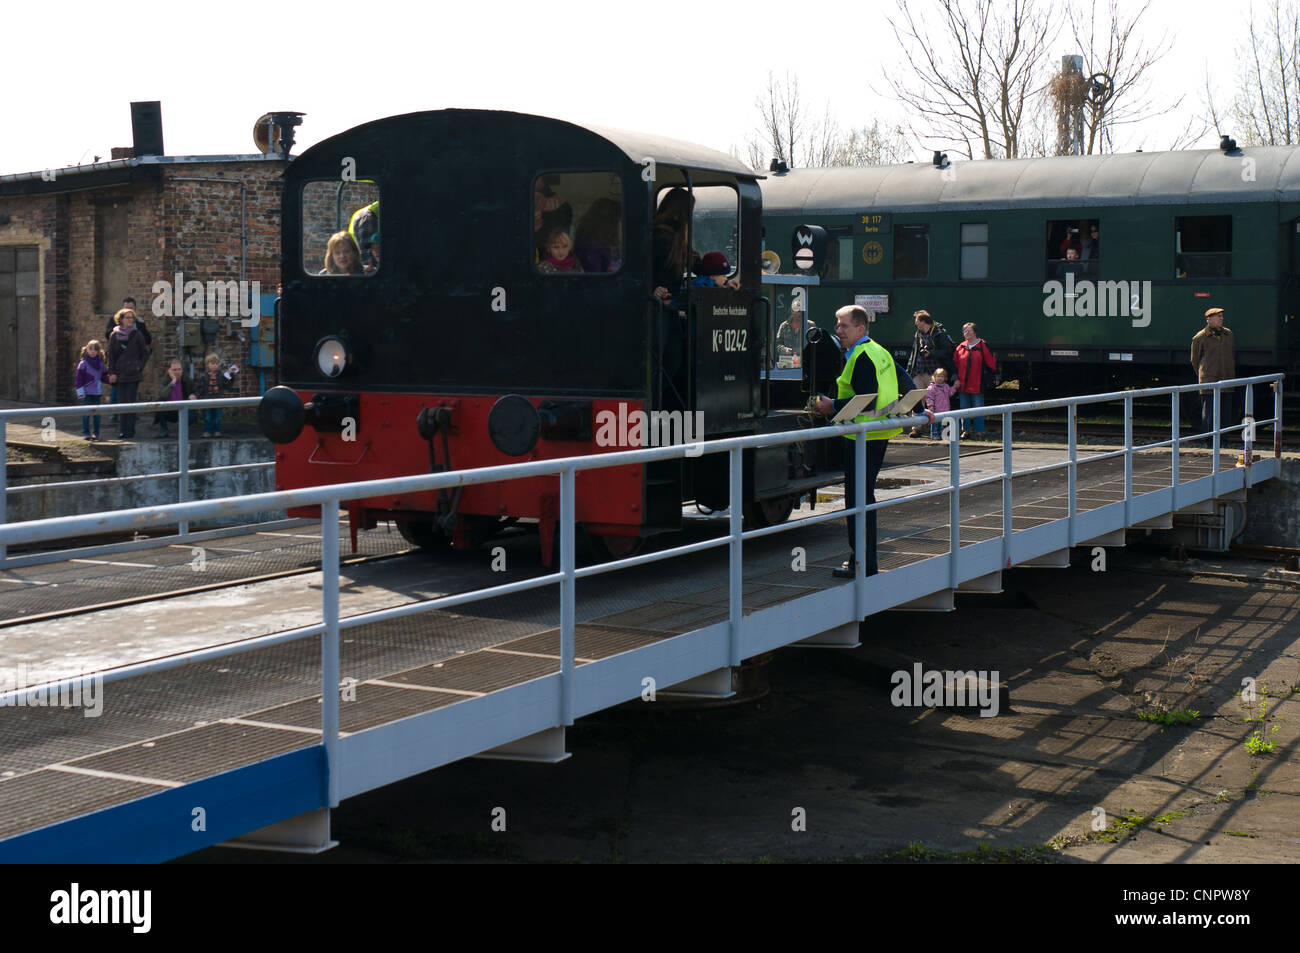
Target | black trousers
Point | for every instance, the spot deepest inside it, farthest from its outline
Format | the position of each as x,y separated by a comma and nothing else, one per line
875,459
126,394
1232,406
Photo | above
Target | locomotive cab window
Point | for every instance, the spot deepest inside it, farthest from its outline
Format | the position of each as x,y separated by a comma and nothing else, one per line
340,229
1203,246
715,234
911,251
1073,248
577,223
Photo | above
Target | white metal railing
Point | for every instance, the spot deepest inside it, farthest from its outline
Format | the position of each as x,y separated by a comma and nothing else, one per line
331,498
181,474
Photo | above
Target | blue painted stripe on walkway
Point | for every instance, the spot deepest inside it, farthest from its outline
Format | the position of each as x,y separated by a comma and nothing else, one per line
161,826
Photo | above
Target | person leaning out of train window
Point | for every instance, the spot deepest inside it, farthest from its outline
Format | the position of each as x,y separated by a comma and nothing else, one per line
1071,265
670,255
1090,242
598,240
341,256
712,272
559,254
1073,240
1214,360
975,363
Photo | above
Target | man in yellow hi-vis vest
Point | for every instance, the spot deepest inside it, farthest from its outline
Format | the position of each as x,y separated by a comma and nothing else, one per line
364,229
868,369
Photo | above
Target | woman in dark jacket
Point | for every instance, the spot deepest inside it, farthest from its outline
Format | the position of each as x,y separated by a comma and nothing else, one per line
127,354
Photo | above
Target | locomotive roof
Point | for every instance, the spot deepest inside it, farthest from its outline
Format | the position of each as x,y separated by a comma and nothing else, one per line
637,146
672,152
1134,178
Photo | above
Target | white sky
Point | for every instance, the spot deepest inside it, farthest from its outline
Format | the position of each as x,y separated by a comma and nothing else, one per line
661,67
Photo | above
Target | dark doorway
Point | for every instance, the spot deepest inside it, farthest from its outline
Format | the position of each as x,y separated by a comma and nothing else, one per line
19,323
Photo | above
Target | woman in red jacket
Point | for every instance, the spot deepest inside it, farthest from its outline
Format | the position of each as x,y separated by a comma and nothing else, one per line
972,356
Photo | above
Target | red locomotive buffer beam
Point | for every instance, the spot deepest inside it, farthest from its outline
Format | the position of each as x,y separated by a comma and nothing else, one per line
382,439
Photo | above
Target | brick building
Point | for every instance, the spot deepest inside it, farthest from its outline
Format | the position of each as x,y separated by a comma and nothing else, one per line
75,241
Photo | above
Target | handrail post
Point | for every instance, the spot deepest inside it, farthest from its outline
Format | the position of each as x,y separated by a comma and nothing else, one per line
736,576
4,486
859,553
1128,459
1277,423
1247,431
954,503
568,592
329,644
183,462
1072,471
1006,489
1175,424
1214,456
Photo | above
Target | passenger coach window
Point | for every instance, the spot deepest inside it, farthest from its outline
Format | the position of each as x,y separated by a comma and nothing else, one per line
974,251
340,229
1203,246
577,223
1073,248
911,251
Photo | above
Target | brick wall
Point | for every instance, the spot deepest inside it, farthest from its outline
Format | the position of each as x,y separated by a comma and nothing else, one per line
198,233
181,225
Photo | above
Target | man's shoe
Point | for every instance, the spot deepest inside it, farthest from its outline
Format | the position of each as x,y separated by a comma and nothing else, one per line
846,571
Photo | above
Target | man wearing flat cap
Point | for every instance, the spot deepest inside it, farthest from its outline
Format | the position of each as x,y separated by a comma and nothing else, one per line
1213,359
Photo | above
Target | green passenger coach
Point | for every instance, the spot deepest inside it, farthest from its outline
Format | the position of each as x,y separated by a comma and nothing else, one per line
1084,273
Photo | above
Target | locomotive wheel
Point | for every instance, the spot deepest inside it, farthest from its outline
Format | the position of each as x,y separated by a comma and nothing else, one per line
771,512
422,533
608,548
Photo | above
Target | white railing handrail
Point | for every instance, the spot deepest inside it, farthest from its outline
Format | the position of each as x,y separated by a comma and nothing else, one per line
62,527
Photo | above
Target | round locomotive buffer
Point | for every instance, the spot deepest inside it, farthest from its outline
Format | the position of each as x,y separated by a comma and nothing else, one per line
514,425
281,415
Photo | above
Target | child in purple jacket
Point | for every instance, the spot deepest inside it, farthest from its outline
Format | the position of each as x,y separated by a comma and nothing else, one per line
90,389
938,397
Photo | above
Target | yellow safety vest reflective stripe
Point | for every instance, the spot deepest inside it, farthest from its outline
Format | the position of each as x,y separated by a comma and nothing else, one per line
886,384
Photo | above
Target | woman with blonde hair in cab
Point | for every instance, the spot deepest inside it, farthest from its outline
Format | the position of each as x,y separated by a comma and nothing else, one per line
341,256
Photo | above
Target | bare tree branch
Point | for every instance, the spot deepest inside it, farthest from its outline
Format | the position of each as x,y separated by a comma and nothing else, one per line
1266,108
971,82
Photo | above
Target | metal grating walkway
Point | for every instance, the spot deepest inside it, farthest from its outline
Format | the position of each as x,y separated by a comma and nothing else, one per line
427,693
